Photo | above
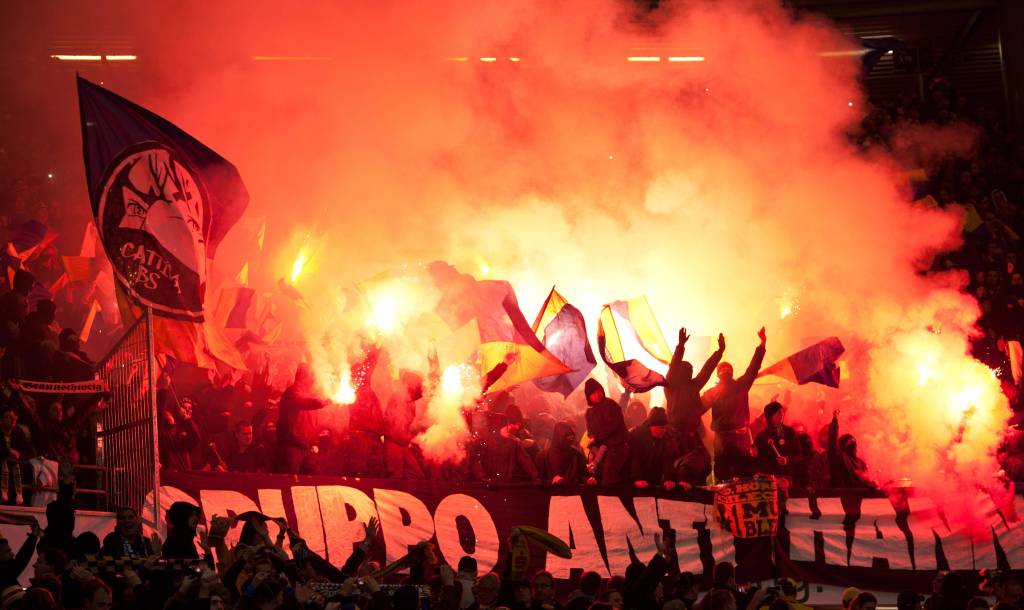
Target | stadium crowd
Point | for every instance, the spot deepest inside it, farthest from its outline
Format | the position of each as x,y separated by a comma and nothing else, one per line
250,426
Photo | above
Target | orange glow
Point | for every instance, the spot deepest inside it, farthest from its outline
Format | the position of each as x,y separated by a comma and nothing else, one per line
299,264
345,394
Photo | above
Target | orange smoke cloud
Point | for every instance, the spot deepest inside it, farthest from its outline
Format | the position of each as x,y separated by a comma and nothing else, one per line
725,190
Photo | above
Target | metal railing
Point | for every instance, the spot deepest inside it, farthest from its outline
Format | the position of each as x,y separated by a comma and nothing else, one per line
126,432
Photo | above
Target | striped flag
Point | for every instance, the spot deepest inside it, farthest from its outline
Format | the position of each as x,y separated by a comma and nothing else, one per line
816,363
507,342
632,345
565,336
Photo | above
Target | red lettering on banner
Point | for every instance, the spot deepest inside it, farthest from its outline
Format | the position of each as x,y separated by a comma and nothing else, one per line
684,517
878,517
621,531
340,532
567,520
398,535
485,548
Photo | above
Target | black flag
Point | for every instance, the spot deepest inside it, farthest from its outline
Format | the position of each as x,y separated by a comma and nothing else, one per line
162,201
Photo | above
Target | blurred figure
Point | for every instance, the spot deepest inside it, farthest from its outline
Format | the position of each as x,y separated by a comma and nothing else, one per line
294,437
37,342
70,363
778,447
179,436
400,461
563,462
127,540
652,452
609,438
13,311
729,403
846,469
682,392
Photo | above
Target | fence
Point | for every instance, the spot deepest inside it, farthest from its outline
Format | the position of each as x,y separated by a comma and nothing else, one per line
127,432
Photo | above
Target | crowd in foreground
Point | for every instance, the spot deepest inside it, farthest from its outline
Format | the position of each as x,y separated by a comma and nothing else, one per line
271,567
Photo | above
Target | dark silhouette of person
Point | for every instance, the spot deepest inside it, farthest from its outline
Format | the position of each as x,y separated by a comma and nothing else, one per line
653,451
608,435
563,461
70,363
778,445
846,469
729,403
294,436
37,342
13,311
682,391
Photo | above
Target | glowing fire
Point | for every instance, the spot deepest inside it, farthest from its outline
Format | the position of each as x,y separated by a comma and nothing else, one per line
299,264
451,381
384,314
788,304
346,394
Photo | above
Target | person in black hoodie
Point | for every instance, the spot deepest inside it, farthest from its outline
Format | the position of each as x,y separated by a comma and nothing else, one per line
730,415
682,391
608,436
846,469
294,436
563,462
778,446
652,451
182,519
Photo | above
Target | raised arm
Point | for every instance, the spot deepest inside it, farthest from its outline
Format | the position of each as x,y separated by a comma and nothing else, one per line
677,356
704,375
756,361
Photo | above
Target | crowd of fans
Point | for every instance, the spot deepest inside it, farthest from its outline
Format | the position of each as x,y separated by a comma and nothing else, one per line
250,426
198,568
608,442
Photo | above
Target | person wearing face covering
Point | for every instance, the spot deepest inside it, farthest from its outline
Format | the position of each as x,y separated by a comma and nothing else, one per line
729,403
682,391
652,451
846,469
182,519
563,461
608,436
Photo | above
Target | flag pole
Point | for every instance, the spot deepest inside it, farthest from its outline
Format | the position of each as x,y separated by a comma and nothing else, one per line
154,423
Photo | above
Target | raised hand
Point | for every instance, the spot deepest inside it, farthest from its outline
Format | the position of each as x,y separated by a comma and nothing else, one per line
763,336
660,544
370,530
721,342
683,336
